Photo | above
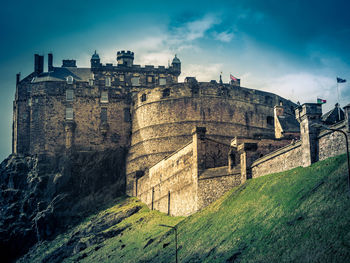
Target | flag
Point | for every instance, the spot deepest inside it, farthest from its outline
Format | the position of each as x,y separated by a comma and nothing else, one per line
321,101
233,78
339,80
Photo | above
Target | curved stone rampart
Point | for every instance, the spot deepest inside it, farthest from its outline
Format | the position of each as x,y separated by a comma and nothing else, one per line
163,118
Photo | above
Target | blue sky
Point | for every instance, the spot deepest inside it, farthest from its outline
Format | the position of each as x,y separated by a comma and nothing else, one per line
293,48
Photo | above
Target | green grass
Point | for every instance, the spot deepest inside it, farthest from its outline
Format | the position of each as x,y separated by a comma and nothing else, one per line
302,215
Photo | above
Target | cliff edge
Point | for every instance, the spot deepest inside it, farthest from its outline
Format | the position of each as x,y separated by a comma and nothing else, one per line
42,196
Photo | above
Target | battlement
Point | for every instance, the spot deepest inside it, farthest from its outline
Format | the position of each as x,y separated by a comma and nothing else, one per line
127,53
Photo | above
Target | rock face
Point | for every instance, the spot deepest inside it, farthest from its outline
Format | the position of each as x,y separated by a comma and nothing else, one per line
41,196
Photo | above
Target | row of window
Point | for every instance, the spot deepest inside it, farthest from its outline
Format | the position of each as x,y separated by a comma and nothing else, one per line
135,81
103,115
165,93
70,96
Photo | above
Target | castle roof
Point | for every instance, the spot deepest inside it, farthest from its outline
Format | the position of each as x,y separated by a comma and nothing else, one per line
176,60
95,56
289,123
61,74
333,116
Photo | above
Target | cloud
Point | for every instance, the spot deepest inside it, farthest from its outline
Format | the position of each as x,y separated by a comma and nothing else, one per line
303,87
184,35
202,72
223,36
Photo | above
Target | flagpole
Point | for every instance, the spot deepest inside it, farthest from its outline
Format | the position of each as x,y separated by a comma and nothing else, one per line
338,100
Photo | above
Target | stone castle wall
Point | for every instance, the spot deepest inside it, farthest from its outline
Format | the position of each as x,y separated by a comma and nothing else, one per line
317,143
280,160
45,113
215,182
332,143
163,119
170,186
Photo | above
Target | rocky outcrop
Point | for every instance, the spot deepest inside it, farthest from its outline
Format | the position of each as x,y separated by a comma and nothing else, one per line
41,196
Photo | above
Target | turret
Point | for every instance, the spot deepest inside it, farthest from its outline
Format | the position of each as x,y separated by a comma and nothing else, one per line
125,58
176,65
307,115
95,60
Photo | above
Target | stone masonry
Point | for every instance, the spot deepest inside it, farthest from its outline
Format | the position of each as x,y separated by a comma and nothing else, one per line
188,143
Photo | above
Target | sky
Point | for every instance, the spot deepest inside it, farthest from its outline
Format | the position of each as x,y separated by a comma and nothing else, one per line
295,49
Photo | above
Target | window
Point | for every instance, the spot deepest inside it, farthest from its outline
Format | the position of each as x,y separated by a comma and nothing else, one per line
127,116
162,81
149,79
69,113
121,77
270,120
104,96
166,93
143,97
69,80
103,114
30,102
69,95
108,81
135,81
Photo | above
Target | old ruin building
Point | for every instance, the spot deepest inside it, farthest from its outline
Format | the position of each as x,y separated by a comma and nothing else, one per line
187,142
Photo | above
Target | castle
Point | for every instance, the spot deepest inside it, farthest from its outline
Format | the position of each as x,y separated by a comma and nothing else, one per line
187,143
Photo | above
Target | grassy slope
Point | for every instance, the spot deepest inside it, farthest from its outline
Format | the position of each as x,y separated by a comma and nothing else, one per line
301,215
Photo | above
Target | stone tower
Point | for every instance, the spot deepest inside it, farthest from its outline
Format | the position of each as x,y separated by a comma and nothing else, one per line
307,115
95,60
125,58
176,64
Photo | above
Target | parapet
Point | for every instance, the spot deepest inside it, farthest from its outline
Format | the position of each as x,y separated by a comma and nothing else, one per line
312,110
125,53
125,58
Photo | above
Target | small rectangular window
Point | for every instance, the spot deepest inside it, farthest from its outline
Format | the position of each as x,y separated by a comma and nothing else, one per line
143,97
149,79
69,95
103,114
30,102
162,81
127,116
108,81
121,77
135,81
104,96
69,113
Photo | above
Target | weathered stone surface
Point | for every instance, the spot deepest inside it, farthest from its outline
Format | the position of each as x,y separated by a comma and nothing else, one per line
40,196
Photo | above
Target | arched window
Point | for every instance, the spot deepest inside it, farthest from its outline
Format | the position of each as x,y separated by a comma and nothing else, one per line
69,80
143,97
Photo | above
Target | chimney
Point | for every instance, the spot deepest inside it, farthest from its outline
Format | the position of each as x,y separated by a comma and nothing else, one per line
50,62
18,78
38,64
